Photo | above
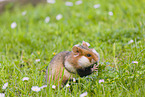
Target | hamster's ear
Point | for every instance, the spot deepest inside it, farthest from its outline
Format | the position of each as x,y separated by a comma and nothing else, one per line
76,50
86,44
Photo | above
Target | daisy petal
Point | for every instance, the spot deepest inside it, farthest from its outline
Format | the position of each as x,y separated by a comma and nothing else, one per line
78,2
68,3
37,60
131,41
43,86
53,86
74,80
35,88
25,78
47,19
67,85
13,25
110,13
5,85
135,62
2,95
101,81
59,16
84,94
51,1
97,6
24,13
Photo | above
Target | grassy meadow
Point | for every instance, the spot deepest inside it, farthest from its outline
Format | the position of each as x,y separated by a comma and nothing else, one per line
29,40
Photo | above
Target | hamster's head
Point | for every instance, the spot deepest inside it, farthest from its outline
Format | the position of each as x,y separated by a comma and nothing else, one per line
84,57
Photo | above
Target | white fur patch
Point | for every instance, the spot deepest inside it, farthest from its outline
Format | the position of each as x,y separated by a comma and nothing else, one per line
94,51
70,67
84,62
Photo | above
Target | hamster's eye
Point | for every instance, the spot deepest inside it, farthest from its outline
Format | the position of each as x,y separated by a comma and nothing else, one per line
88,55
77,51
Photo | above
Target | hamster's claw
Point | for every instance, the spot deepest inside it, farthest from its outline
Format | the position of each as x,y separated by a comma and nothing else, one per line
95,67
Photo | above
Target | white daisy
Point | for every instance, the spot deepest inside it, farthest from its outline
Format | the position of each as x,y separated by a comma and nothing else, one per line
135,62
2,95
47,19
24,13
35,88
51,1
59,16
131,41
13,25
53,86
5,85
110,13
37,60
84,94
25,78
67,85
74,80
101,81
32,54
68,3
97,5
43,86
78,2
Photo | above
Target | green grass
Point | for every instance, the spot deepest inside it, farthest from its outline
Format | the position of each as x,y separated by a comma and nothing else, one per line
34,39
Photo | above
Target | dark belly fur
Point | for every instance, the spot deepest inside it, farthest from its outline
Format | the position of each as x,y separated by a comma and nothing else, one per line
85,71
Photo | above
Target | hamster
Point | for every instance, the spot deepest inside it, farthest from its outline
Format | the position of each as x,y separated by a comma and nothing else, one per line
80,61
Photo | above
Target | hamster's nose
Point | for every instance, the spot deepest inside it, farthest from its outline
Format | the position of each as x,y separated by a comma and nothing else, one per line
93,61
